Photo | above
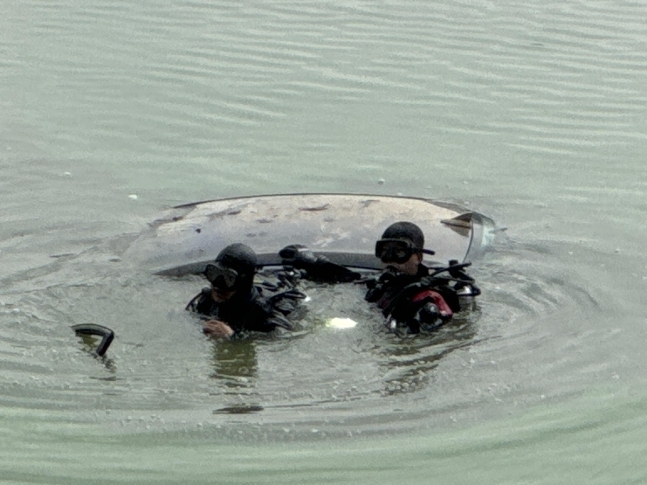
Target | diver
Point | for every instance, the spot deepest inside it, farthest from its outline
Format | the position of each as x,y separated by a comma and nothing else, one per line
411,296
234,305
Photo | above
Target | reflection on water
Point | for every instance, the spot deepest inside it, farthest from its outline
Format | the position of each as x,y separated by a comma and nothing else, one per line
246,409
161,362
408,364
405,362
235,364
89,344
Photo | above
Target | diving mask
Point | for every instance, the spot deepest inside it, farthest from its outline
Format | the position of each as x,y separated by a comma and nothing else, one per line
396,250
221,277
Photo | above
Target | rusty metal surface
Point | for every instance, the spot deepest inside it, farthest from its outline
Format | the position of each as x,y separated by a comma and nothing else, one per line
339,225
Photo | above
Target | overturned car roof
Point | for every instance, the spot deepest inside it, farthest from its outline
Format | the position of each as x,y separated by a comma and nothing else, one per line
343,227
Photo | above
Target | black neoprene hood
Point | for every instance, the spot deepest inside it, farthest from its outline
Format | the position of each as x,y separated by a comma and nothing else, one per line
238,257
407,231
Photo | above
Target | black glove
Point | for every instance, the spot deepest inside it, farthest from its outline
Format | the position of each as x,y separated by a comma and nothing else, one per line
318,268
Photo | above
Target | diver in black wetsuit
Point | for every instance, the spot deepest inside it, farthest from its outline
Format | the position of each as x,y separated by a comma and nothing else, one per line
233,304
411,296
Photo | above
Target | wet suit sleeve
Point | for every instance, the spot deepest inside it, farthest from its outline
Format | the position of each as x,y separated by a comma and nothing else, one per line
316,268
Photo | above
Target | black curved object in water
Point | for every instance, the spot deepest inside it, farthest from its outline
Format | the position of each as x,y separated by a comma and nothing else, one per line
105,333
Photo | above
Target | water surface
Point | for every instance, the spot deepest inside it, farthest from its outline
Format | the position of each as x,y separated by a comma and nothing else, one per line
531,114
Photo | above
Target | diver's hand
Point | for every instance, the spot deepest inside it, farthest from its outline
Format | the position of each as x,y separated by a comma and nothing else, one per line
217,329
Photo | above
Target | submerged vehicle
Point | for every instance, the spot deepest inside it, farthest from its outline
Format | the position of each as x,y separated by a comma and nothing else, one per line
341,227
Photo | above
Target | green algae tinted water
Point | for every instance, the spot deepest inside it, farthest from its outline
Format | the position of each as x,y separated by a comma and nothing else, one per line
531,114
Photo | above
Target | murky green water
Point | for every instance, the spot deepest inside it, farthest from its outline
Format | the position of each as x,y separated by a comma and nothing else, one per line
531,114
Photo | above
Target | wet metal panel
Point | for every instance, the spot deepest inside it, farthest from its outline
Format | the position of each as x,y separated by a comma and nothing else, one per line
344,227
